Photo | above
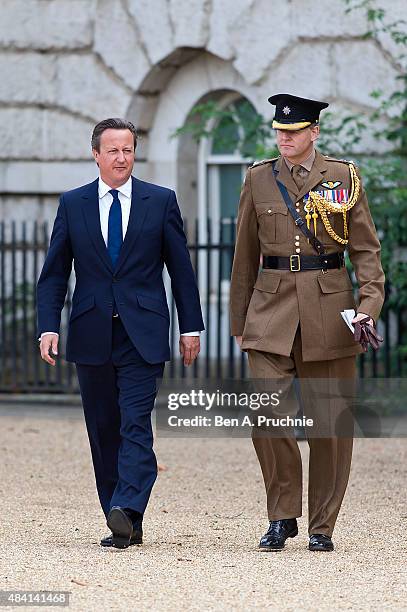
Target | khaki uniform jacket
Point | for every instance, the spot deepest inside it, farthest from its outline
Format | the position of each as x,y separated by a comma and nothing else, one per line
266,306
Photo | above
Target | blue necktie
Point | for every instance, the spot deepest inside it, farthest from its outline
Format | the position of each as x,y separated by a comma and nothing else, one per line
115,231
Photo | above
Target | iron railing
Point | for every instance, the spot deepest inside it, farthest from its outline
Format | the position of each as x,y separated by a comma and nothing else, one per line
22,252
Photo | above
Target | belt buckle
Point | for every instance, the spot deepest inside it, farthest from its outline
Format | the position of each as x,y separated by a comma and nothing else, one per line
297,262
115,316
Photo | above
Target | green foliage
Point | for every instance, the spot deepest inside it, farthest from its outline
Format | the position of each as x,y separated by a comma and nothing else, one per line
340,133
238,128
392,105
386,186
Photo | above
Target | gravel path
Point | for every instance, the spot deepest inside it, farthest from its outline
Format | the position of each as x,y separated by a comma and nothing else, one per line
202,527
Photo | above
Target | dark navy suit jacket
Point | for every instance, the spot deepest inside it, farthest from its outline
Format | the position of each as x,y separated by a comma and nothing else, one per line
154,237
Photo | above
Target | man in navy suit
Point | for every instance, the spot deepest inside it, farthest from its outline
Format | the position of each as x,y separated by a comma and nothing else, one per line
119,231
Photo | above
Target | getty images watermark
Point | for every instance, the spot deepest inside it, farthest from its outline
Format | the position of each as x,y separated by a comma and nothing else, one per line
207,401
312,407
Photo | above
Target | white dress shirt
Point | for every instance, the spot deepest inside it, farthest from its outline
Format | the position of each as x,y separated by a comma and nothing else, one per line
105,202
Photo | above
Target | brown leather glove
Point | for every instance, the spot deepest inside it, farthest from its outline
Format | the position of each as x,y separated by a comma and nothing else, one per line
366,334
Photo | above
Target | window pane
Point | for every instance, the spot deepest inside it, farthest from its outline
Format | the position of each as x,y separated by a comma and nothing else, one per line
230,185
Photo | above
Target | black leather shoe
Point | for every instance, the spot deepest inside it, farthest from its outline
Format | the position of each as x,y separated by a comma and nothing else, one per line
121,526
277,533
319,541
136,538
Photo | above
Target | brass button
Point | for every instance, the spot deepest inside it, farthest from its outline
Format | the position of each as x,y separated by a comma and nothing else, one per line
297,243
298,250
297,237
269,210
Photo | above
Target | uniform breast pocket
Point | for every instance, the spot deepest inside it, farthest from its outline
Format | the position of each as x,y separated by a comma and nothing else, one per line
272,220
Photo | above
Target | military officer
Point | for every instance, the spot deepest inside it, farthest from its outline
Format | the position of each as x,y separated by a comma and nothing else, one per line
297,215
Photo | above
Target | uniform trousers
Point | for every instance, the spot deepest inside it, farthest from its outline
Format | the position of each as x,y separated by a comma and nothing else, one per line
118,398
329,457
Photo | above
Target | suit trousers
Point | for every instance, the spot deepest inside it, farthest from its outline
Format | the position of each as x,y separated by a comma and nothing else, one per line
330,456
118,397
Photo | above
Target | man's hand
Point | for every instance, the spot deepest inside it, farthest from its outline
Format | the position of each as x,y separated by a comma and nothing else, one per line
366,334
361,316
189,347
49,341
239,340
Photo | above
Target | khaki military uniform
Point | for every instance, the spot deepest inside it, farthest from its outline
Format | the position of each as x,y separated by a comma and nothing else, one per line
291,323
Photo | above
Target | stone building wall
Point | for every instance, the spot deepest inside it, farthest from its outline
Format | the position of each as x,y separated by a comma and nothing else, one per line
66,64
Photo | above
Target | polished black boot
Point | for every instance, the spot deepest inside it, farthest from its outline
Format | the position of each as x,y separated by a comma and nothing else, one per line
319,541
277,533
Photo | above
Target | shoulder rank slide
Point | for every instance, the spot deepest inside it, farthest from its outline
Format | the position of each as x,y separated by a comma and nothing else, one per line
262,162
344,161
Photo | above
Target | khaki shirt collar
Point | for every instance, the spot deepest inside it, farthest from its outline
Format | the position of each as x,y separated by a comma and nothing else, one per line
307,163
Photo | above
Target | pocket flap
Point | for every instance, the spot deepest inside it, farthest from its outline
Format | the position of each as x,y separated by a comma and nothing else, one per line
149,303
334,282
268,282
82,306
270,208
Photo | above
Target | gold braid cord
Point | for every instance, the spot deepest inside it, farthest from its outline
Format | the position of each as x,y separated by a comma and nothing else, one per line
316,202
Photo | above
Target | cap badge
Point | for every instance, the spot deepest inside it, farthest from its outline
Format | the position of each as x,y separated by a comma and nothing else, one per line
286,110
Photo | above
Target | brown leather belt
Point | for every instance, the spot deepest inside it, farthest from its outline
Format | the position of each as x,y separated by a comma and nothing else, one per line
296,263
